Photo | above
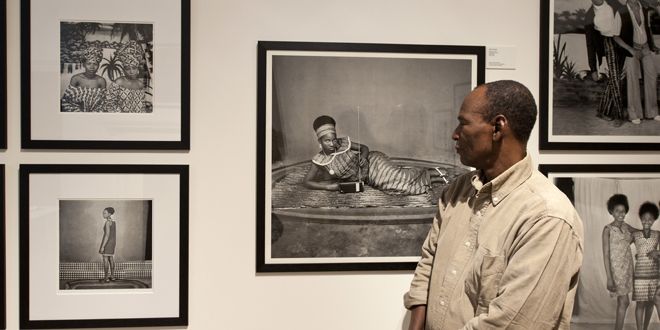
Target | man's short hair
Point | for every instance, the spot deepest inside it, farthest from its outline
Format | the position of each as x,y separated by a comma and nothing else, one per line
515,102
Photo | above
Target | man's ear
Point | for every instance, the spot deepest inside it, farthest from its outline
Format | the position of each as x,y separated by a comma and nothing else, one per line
499,125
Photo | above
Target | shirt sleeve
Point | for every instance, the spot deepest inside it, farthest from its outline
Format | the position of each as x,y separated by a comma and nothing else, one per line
540,275
419,288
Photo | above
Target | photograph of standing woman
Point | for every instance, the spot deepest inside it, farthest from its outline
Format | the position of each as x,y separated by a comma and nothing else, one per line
108,243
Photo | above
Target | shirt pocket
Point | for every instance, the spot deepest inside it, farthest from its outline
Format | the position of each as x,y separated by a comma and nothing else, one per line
487,275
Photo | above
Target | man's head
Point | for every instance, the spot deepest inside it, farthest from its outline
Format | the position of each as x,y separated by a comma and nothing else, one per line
514,101
494,114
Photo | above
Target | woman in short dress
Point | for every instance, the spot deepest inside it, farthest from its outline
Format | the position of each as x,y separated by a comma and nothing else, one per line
646,274
108,243
617,237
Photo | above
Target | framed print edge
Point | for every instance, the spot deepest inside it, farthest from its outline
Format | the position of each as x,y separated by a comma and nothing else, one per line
3,76
618,206
3,250
182,171
30,141
598,168
545,86
263,49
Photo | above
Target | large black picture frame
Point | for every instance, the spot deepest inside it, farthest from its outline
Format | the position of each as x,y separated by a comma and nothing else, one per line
3,250
44,123
589,187
569,96
424,85
3,75
166,185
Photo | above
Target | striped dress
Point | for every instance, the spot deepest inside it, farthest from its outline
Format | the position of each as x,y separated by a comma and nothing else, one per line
83,99
380,172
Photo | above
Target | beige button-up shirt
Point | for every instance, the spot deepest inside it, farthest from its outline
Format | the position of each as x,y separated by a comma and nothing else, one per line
504,254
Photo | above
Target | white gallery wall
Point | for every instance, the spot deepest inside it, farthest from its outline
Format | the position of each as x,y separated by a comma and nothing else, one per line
225,291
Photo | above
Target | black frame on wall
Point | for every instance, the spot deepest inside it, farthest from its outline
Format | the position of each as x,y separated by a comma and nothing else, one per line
335,57
182,228
3,75
27,137
577,139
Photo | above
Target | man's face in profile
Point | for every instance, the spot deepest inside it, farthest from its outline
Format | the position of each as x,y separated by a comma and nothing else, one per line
473,135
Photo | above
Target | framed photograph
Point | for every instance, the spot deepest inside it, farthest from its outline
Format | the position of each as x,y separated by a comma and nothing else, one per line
103,246
98,75
586,100
618,205
3,249
358,192
3,75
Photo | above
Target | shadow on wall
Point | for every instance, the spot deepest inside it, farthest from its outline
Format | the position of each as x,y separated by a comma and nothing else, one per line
406,320
81,229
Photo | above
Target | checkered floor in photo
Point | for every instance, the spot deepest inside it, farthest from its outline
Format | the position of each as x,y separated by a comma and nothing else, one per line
94,270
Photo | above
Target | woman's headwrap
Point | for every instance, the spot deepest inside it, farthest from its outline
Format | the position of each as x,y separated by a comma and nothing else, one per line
324,125
93,53
131,54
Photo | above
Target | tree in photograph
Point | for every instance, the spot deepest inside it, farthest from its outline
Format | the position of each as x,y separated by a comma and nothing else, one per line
112,67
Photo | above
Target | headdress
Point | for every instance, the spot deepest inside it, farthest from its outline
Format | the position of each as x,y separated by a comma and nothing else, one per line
93,53
324,125
131,54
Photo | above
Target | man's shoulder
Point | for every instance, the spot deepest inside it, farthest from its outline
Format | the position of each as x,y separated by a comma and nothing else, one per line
550,202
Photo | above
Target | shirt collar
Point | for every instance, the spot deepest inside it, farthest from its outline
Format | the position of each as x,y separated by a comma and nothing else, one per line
500,187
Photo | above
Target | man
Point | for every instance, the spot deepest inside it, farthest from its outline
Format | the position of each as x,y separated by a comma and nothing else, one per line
598,27
506,245
594,40
632,33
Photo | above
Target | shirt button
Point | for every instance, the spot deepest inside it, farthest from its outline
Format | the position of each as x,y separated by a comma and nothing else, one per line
495,199
453,271
442,302
479,213
467,244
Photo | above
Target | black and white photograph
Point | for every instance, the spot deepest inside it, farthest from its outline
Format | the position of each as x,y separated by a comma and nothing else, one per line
355,146
599,75
106,67
620,274
3,249
3,75
105,74
105,244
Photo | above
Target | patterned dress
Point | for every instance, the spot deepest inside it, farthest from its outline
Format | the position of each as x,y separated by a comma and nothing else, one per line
122,99
621,261
83,99
379,171
646,274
